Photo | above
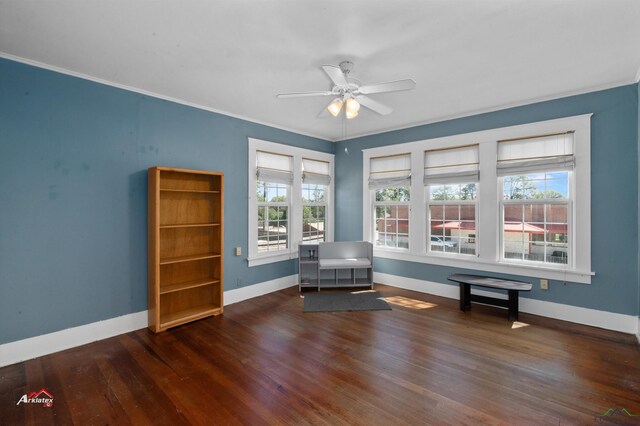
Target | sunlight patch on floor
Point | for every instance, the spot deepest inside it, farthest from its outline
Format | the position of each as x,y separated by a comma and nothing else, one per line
518,324
409,303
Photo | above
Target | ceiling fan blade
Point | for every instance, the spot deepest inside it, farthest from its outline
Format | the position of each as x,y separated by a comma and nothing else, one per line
303,94
374,105
335,74
390,86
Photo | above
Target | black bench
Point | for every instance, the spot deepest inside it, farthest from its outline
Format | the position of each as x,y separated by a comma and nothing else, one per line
512,287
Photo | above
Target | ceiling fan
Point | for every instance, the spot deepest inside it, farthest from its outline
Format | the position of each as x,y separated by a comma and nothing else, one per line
351,93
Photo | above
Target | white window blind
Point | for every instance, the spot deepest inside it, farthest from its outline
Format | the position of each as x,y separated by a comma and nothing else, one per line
274,168
535,154
451,165
390,171
316,172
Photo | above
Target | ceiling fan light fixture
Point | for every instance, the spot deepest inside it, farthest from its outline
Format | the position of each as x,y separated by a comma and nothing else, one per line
350,114
353,106
335,107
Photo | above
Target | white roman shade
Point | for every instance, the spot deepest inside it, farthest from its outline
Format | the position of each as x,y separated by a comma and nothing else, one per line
316,172
451,165
274,168
390,171
544,153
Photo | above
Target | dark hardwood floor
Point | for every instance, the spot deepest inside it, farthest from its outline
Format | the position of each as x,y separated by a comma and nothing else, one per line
266,362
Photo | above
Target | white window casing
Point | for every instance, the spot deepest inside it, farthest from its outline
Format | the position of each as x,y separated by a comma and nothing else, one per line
551,153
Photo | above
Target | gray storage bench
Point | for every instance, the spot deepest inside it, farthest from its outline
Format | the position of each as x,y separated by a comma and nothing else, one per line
350,261
513,288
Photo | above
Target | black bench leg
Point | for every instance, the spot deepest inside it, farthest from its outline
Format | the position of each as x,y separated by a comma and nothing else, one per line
465,297
513,305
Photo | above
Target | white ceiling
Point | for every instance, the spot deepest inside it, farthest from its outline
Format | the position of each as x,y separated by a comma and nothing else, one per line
234,56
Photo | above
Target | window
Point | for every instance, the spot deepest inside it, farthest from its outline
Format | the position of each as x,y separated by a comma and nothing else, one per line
536,200
290,200
513,200
315,180
274,177
389,179
450,178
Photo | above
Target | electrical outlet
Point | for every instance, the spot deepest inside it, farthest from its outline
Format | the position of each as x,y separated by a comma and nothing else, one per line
238,251
544,284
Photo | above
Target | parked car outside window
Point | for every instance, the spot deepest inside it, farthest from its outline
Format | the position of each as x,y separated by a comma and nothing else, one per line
440,242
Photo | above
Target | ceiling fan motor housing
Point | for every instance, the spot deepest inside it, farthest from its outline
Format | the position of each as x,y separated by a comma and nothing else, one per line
346,67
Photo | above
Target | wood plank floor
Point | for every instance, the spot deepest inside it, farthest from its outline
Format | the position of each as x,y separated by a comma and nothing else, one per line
266,362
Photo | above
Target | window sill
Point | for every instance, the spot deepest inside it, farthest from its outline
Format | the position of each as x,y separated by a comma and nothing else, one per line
474,263
271,258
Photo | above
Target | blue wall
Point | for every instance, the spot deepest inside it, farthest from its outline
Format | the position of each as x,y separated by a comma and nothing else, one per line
614,193
73,160
73,194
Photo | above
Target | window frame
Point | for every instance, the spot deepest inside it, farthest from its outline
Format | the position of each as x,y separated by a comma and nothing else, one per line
377,204
295,200
269,204
570,249
488,213
568,202
428,203
315,204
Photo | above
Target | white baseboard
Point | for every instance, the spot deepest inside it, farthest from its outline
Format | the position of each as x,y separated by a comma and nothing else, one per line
33,347
593,317
251,291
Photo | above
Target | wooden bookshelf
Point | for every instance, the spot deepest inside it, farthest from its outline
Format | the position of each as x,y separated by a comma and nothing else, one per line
186,235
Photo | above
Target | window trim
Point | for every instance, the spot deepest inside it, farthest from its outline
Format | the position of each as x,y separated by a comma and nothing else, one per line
487,232
571,250
295,200
315,204
428,203
269,204
376,204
